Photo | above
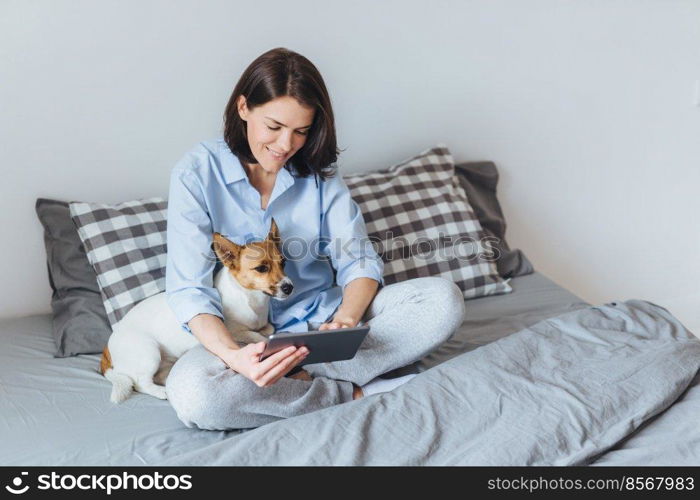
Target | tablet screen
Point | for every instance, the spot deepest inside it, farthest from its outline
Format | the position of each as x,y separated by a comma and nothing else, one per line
324,346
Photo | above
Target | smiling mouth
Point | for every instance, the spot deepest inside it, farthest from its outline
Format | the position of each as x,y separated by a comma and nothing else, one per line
275,155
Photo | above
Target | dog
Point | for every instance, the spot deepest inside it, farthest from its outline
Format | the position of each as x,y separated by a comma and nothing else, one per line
149,339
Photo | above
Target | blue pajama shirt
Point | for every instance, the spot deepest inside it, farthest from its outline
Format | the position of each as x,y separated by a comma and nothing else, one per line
322,229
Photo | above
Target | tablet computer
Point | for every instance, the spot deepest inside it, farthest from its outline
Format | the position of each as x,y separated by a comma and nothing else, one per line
324,345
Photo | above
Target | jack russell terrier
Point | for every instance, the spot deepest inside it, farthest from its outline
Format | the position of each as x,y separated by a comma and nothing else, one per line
147,341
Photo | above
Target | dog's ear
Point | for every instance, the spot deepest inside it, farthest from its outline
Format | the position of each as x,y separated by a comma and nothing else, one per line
226,250
274,234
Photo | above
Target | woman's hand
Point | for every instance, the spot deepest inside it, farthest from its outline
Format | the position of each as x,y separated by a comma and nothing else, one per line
357,295
339,321
246,361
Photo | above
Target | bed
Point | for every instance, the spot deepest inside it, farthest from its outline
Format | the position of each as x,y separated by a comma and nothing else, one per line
464,403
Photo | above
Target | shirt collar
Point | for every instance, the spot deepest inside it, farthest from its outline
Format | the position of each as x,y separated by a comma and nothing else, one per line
283,181
230,165
233,171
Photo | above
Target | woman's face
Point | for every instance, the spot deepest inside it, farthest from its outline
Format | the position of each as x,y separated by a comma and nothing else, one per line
276,130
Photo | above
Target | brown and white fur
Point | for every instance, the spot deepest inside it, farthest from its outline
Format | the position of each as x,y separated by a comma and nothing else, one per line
149,339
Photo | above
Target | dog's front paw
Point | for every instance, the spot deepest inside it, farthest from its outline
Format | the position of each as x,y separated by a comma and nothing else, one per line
267,330
159,392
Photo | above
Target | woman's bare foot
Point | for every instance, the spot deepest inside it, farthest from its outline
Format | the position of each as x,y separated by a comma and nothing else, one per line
302,375
356,392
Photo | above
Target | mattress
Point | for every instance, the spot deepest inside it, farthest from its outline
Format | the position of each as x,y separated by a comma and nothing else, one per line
56,411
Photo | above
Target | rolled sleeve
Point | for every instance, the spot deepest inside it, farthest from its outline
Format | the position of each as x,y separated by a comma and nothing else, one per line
190,262
361,268
344,236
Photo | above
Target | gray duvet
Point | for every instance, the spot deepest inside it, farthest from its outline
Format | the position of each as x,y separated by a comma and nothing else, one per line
525,381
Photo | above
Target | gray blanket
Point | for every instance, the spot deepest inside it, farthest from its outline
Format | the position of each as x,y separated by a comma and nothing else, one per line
57,411
560,392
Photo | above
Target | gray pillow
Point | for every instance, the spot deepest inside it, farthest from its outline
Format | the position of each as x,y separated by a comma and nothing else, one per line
479,181
80,323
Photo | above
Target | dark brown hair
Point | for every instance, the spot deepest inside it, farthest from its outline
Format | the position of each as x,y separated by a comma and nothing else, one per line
277,73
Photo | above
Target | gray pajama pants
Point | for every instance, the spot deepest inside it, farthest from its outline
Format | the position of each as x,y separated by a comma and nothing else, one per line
407,321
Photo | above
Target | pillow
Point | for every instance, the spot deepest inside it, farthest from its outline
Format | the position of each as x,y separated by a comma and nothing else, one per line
80,323
423,223
126,245
479,181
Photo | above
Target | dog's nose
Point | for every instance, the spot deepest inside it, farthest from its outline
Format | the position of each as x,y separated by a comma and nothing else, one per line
287,288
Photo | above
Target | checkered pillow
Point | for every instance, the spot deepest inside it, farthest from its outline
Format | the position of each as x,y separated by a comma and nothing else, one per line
126,244
419,217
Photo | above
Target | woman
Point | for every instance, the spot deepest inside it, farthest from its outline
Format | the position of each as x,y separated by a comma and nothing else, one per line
276,159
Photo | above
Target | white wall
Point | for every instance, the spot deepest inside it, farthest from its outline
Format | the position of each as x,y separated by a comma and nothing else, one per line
588,108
